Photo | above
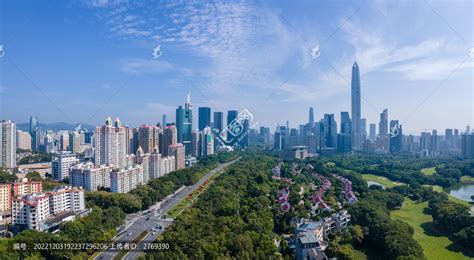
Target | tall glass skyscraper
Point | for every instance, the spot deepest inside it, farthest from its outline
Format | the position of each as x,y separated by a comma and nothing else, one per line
34,128
218,121
204,117
311,117
355,107
184,124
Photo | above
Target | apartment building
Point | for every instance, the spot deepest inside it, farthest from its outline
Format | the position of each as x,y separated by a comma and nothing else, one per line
24,187
125,180
38,209
61,164
90,176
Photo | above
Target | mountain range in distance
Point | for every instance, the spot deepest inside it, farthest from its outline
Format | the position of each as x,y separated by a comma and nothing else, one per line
56,126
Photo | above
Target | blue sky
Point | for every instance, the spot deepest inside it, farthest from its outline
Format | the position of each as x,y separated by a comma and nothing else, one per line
81,61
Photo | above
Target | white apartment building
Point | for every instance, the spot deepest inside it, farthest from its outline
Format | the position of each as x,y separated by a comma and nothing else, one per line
31,210
111,143
7,144
167,165
90,176
61,164
125,180
35,209
155,167
66,198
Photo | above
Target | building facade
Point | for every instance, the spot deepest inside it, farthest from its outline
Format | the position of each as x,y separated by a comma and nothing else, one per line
61,164
8,145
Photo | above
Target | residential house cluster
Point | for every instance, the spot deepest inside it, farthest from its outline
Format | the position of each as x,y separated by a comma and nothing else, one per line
282,199
348,192
318,195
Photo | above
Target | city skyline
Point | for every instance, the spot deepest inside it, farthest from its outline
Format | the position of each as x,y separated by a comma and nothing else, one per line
410,76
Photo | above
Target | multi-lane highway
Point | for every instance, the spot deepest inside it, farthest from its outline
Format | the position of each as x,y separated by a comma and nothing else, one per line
151,220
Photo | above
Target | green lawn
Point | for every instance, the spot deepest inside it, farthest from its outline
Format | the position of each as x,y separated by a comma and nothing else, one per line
380,179
428,171
467,179
435,244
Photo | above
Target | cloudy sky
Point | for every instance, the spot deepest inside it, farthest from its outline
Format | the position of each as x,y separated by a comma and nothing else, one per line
81,61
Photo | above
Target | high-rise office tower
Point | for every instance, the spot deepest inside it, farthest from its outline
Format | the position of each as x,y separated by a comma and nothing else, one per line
280,139
467,146
184,124
293,140
218,121
231,115
363,130
344,143
204,117
163,121
8,145
448,138
311,117
34,132
434,142
110,143
396,137
383,124
355,107
148,137
373,131
330,131
170,137
346,123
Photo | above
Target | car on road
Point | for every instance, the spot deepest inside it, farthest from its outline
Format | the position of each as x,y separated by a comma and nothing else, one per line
129,234
147,218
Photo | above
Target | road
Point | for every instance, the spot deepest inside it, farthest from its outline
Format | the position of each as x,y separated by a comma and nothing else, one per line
152,218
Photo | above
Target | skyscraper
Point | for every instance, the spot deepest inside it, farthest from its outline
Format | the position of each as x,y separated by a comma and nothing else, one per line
218,121
110,143
8,144
330,131
184,124
163,120
34,128
396,137
383,124
231,115
204,117
346,123
372,134
355,107
311,117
